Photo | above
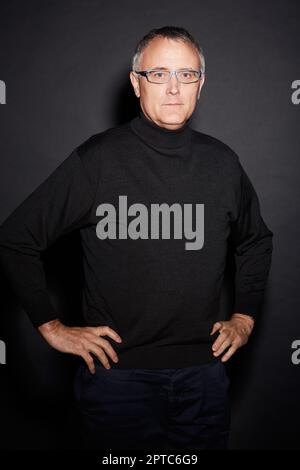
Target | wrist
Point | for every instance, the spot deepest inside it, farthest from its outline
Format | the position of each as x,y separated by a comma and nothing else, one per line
50,327
248,320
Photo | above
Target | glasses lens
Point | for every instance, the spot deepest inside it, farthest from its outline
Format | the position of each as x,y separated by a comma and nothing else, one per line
188,76
158,76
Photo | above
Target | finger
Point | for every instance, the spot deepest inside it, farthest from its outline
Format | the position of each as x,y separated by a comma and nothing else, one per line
89,361
99,353
222,347
229,353
104,344
217,326
106,330
220,339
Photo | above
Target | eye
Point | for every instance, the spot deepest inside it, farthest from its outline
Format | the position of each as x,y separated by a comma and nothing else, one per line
188,75
158,74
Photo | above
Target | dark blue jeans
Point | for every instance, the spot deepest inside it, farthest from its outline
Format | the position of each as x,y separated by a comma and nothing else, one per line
160,409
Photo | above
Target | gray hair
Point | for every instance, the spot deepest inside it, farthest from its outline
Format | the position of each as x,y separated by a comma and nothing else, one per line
170,32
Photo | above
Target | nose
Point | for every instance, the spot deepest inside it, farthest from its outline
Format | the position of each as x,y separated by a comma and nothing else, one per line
173,84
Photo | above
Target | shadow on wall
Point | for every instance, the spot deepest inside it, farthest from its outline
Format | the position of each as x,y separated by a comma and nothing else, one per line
130,107
38,380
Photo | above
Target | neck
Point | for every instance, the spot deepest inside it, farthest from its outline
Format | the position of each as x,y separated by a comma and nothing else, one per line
169,142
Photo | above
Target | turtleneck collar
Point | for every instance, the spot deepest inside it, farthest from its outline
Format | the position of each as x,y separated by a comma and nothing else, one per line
175,142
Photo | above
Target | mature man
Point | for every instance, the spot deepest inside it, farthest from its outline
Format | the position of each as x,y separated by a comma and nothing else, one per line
157,204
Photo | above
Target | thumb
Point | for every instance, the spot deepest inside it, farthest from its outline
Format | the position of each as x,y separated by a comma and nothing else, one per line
217,326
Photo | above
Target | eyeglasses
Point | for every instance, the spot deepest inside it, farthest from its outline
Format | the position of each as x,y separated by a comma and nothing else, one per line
163,76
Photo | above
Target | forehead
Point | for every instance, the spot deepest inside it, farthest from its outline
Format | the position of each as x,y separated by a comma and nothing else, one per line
165,52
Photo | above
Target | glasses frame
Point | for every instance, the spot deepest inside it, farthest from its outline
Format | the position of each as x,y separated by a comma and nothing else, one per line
145,73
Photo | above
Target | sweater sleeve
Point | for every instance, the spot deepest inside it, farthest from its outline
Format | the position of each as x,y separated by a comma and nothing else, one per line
253,246
59,205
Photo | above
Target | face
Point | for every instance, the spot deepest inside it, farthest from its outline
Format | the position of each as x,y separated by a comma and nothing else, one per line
168,104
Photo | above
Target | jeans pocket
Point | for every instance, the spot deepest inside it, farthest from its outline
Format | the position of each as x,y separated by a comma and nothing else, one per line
223,374
218,376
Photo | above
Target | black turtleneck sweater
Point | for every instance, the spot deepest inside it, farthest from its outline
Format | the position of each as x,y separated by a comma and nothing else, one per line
156,210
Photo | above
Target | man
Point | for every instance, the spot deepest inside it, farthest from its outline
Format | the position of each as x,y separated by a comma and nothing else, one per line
157,204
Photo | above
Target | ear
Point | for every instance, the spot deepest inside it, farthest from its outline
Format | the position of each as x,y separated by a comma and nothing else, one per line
135,83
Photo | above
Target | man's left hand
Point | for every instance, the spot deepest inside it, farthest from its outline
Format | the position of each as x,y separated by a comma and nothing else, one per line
233,333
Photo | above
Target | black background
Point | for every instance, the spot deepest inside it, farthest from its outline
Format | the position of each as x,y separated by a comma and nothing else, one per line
66,67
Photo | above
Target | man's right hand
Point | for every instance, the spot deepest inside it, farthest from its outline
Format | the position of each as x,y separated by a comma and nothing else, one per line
81,341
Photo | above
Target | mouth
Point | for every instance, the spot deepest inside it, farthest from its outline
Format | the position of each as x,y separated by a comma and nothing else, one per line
173,104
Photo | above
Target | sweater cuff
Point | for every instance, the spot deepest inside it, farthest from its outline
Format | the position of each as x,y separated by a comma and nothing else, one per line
248,304
40,310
